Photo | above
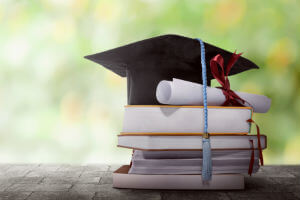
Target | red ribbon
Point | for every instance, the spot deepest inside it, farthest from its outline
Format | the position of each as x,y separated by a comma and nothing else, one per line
222,77
251,163
130,165
258,142
231,97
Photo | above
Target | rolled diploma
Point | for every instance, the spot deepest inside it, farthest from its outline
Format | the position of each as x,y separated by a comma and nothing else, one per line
180,92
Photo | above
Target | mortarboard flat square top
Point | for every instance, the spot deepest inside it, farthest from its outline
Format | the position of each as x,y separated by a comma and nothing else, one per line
145,63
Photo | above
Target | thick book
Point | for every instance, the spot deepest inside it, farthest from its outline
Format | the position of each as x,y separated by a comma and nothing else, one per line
185,119
228,162
195,162
193,170
190,142
191,166
121,179
225,154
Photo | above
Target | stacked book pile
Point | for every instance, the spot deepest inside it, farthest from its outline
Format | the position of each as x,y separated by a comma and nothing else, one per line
185,135
167,143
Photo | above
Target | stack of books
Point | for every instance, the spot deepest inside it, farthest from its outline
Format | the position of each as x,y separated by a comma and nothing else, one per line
166,138
167,147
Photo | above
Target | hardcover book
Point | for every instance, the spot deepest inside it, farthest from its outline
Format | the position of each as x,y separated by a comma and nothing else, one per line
186,119
121,179
190,142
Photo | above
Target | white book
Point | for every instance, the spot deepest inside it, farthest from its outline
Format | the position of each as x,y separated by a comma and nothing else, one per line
121,179
228,163
181,163
151,142
225,154
192,170
186,119
182,166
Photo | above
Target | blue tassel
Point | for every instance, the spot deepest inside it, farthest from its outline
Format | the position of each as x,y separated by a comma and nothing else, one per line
207,164
206,149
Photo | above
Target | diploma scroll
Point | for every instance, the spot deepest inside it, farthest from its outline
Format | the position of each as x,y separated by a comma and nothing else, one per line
180,92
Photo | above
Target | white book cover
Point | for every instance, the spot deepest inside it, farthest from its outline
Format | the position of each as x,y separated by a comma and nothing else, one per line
121,179
225,154
181,163
186,119
150,142
192,170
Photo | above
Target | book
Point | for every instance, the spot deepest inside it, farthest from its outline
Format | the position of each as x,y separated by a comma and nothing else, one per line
193,170
222,163
121,179
189,142
185,119
225,154
182,163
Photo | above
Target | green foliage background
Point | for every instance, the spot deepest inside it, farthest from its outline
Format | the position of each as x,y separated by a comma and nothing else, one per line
58,107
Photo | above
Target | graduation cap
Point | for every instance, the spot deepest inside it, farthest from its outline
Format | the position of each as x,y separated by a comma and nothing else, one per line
145,63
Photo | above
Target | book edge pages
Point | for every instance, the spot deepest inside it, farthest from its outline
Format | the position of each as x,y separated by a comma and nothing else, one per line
132,129
185,106
135,148
121,179
221,149
177,134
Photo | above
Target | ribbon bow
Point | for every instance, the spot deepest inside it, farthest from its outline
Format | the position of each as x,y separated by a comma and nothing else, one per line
231,97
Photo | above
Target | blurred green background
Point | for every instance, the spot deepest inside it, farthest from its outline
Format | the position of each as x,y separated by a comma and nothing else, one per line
58,107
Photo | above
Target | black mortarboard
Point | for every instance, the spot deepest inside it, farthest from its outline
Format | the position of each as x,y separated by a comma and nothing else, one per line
147,62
